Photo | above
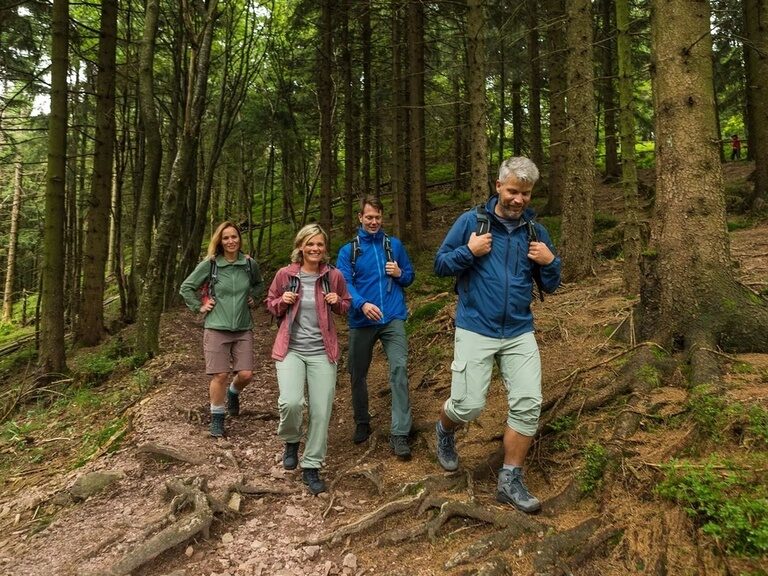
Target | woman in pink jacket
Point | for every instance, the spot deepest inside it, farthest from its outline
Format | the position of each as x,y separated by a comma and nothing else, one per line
306,350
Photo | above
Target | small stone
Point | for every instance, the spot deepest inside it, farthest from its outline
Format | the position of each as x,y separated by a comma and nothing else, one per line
277,473
189,551
234,502
227,538
311,551
293,512
350,561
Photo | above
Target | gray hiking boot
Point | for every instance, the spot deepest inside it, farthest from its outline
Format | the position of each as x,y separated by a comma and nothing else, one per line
311,477
446,449
217,425
399,445
512,490
291,455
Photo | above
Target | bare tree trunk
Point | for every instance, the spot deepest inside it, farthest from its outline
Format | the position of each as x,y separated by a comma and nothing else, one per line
690,299
51,355
324,96
398,141
632,243
607,90
417,136
365,40
534,81
557,120
576,243
153,159
477,110
13,238
350,132
151,303
90,328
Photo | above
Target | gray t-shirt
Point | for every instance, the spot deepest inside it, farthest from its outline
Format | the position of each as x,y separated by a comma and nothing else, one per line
306,337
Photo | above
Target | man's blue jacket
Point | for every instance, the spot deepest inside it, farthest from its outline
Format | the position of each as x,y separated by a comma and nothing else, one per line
495,290
368,282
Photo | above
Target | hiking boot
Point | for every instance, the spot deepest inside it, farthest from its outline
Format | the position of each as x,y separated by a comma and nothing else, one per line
399,445
233,403
446,449
311,477
512,490
217,425
362,433
291,455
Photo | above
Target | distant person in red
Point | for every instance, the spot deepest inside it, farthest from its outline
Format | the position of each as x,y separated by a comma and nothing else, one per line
735,147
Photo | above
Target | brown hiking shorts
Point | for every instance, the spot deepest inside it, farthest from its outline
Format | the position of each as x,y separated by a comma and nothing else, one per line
227,351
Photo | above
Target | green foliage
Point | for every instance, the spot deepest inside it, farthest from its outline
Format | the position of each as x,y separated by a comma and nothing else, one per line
552,224
604,222
426,312
709,411
727,503
93,440
757,423
649,375
94,368
562,426
595,462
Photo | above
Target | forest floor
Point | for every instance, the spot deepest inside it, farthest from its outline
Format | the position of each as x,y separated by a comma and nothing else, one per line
278,527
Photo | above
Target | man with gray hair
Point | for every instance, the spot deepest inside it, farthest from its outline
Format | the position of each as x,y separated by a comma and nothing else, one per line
495,252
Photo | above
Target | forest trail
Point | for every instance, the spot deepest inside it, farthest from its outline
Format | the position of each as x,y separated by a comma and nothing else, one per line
629,528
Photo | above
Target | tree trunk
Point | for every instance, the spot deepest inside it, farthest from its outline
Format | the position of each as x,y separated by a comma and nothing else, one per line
417,136
608,92
51,355
367,113
690,299
151,303
153,159
502,91
557,120
397,124
478,147
632,243
350,131
13,238
534,82
576,242
324,96
90,327
756,25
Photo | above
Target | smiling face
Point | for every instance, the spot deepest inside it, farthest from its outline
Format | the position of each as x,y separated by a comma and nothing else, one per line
313,250
230,242
370,218
514,197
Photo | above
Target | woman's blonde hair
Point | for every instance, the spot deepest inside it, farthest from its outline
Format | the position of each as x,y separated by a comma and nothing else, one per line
301,238
214,246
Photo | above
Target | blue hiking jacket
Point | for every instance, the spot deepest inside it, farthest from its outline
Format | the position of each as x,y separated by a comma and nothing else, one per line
370,283
495,290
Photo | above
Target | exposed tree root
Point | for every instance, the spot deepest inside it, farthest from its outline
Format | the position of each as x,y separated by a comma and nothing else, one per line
367,521
499,541
497,517
192,492
258,489
493,567
554,551
565,500
168,453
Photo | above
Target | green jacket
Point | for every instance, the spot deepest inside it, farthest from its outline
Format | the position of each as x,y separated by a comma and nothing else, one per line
234,284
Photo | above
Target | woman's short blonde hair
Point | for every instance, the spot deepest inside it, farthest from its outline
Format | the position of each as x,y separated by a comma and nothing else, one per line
302,236
214,246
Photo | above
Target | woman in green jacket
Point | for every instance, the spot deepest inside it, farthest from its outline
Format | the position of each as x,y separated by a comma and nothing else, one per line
230,283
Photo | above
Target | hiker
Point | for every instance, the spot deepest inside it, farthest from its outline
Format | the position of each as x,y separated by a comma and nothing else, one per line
495,274
231,284
735,147
306,349
377,269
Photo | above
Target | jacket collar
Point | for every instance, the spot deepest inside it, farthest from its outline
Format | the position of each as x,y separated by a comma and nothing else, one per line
490,206
367,236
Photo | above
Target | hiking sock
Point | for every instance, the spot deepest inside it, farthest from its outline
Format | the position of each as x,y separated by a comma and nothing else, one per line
232,388
510,467
218,409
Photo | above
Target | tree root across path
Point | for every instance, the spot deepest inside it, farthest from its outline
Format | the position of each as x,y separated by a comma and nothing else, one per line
186,493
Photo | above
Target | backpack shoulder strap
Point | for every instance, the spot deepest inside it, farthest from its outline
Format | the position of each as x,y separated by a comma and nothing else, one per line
326,280
536,270
213,274
483,222
388,248
353,254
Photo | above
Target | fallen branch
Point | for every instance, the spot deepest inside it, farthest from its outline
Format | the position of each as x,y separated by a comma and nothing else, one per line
168,453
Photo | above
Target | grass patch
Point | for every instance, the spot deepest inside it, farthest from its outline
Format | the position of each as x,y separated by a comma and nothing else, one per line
727,502
595,462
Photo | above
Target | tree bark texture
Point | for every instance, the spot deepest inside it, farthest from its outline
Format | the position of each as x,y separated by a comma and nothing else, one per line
576,242
51,354
689,297
90,327
607,89
397,125
478,147
558,84
534,82
325,96
416,126
632,243
13,238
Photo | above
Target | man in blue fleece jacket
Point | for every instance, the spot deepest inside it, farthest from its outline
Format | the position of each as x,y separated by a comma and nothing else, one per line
495,277
377,269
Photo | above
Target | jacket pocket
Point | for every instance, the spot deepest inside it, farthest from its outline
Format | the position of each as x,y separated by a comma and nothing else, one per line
458,380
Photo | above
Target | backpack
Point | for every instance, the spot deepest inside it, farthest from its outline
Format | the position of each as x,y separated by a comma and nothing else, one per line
484,226
356,251
294,283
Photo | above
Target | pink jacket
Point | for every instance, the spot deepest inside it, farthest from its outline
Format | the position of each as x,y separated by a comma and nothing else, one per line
286,313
